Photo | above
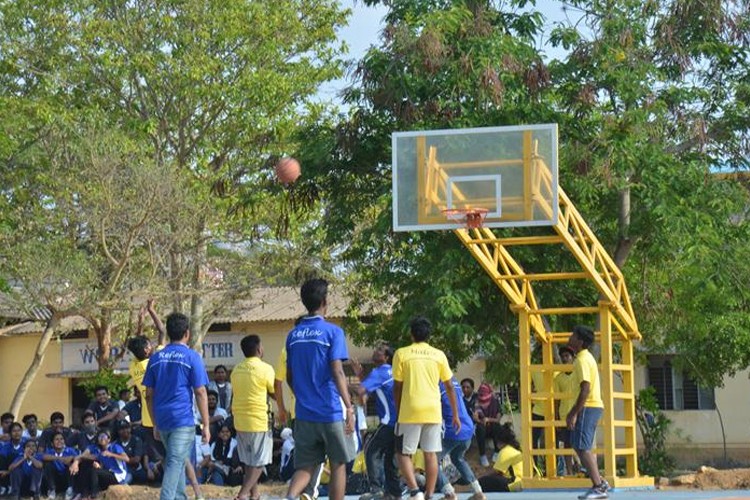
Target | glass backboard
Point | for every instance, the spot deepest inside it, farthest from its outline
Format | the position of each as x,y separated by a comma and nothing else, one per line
511,172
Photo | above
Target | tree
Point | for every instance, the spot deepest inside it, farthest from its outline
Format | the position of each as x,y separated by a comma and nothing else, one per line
644,118
207,93
210,92
652,95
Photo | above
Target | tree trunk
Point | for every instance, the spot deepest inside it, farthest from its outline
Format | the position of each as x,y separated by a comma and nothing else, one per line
625,242
104,339
196,300
36,362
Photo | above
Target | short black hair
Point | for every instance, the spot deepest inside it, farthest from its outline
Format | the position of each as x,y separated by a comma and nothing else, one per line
584,333
28,417
101,388
421,328
220,367
563,349
14,425
250,345
124,391
177,326
388,351
7,416
56,415
469,380
213,393
87,414
54,435
314,293
122,424
504,434
137,346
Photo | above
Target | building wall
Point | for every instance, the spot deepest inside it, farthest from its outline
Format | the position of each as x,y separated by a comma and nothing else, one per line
45,395
697,434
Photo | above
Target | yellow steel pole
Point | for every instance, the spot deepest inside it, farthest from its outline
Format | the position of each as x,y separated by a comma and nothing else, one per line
524,360
606,379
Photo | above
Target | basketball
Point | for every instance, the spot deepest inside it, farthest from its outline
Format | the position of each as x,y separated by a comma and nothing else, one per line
288,170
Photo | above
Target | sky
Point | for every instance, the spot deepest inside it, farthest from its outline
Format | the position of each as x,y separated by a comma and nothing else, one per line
366,23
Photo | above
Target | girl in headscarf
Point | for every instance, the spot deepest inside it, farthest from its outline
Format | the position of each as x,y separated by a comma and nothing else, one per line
487,417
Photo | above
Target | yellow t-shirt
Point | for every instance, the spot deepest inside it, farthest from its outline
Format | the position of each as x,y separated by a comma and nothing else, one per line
510,457
252,382
539,407
420,367
563,384
137,370
585,370
281,375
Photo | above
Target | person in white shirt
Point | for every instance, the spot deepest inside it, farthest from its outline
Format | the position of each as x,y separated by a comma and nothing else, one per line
31,431
222,387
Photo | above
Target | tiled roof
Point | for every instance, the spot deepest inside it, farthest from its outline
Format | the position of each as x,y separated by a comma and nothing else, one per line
266,304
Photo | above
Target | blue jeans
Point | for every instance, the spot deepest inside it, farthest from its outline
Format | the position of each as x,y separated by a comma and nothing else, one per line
178,442
456,450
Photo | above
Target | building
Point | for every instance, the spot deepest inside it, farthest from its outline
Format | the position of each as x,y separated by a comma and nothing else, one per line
703,418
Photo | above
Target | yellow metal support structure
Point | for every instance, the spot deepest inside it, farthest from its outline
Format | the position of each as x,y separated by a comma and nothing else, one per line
616,326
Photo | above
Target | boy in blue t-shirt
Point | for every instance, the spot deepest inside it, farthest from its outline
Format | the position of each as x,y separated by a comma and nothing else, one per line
455,445
379,451
26,472
173,376
57,460
316,350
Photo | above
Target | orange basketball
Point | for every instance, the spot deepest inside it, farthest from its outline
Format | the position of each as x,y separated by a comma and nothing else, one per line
288,170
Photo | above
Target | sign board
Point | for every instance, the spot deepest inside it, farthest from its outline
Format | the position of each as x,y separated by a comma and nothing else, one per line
218,349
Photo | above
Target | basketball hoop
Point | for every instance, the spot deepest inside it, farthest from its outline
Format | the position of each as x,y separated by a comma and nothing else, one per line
471,218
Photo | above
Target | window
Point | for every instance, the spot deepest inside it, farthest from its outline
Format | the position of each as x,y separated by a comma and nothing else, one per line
220,327
674,389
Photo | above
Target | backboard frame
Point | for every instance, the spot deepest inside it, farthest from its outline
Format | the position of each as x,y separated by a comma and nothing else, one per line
550,160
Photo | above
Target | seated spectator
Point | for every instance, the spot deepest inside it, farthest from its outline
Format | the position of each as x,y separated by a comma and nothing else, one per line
508,468
222,466
57,424
31,431
286,468
110,469
13,448
222,387
26,472
216,414
487,418
468,394
104,409
87,436
133,413
5,420
133,446
57,460
124,398
9,451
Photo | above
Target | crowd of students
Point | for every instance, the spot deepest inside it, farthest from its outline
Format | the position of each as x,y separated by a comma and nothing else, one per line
182,428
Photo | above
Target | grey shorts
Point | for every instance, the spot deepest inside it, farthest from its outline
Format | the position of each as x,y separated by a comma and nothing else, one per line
255,448
314,440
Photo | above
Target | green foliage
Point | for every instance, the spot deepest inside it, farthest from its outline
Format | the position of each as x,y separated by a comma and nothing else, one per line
109,379
655,428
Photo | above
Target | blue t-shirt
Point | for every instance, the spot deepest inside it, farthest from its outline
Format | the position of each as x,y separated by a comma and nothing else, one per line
173,373
27,467
117,467
66,452
12,451
311,347
380,382
467,425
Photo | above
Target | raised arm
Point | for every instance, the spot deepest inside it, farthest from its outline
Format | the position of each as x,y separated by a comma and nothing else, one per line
157,321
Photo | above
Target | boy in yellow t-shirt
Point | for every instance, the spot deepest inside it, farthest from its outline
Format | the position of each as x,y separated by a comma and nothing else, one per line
252,383
417,371
583,418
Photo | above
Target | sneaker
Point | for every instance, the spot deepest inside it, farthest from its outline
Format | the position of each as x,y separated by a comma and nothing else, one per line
478,496
305,496
3,490
450,496
51,495
418,496
483,461
373,495
69,494
494,457
599,491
